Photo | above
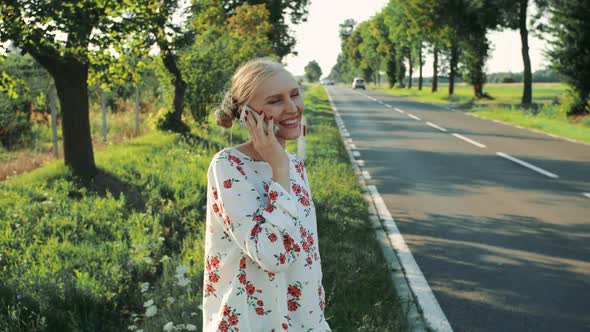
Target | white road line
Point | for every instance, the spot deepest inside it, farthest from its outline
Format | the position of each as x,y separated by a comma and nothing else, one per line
349,140
587,194
414,117
352,146
360,162
356,154
433,313
388,105
435,126
469,140
525,164
401,111
366,175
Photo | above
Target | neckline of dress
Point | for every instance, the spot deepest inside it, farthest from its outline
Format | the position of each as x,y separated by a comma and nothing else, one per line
247,156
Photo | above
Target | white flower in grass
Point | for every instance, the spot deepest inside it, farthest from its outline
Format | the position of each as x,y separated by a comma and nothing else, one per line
148,303
151,311
182,282
170,300
145,286
190,327
194,313
131,327
169,327
200,307
181,270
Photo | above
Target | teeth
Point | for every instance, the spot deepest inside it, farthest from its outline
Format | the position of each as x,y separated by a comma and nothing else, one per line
290,122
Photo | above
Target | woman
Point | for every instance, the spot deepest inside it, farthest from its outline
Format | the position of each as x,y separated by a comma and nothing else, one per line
262,263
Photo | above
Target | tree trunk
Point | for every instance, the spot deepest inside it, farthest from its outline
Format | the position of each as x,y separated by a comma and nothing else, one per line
72,89
453,69
435,70
527,93
411,64
179,84
421,65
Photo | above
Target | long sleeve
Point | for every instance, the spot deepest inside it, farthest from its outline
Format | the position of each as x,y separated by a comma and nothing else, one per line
264,226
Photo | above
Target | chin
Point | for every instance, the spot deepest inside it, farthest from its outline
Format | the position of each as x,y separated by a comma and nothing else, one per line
290,135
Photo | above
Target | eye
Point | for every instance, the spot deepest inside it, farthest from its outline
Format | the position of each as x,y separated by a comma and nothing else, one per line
274,101
295,94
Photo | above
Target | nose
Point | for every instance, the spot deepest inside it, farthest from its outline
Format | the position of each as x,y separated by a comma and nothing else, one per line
291,106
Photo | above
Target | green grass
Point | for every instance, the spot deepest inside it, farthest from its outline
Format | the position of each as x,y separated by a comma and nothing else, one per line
360,296
101,255
544,121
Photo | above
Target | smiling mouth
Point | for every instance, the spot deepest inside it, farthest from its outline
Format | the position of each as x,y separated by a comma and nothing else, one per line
289,122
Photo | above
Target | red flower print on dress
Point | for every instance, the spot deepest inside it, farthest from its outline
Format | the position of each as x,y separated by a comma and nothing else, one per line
285,326
282,259
305,193
215,208
258,217
212,274
223,326
273,195
260,311
304,201
235,159
272,237
243,262
242,278
215,194
265,187
226,220
269,208
291,305
241,170
294,291
308,260
227,184
296,188
250,289
233,320
213,277
303,232
255,230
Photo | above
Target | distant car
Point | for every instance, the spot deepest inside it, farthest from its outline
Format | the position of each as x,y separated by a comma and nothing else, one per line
327,82
358,83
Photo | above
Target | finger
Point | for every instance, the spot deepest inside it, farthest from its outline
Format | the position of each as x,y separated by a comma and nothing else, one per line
259,127
271,124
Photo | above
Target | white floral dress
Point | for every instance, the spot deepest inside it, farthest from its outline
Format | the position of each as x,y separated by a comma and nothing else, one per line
262,263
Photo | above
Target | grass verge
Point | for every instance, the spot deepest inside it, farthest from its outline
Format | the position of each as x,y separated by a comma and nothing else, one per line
360,295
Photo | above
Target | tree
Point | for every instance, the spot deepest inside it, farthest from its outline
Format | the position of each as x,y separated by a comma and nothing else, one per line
61,36
279,36
570,48
386,48
313,72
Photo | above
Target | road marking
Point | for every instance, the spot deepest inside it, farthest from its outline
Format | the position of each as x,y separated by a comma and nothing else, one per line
414,117
587,195
366,175
437,127
356,154
388,105
469,140
360,162
349,140
352,146
525,164
401,111
433,313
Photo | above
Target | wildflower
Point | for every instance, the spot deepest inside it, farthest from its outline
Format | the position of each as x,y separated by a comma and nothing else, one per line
190,327
151,311
170,300
181,269
148,303
169,327
145,286
131,327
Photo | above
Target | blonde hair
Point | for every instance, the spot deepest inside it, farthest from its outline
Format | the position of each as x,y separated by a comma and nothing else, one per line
243,84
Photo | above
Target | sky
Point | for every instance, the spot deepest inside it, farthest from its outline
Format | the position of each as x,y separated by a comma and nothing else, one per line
318,39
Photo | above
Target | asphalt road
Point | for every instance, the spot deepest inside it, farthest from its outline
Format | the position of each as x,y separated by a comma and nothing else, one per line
503,247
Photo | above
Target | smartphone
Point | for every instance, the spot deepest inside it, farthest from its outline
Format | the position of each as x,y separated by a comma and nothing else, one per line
255,115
